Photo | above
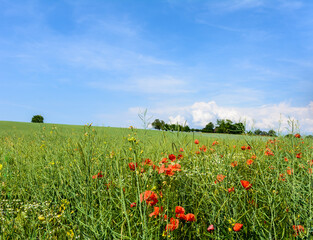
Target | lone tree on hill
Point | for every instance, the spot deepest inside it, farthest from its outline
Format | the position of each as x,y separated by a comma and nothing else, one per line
37,119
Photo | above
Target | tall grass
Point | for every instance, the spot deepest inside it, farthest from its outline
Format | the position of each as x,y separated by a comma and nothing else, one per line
48,190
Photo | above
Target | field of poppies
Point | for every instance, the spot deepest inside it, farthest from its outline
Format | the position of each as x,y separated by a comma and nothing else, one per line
85,182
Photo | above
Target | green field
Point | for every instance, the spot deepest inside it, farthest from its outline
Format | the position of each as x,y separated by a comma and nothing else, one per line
78,182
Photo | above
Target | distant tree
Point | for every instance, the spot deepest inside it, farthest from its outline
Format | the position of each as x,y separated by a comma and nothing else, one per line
209,128
166,127
257,132
221,126
186,128
237,128
272,133
227,126
250,133
157,124
37,119
309,137
195,130
174,127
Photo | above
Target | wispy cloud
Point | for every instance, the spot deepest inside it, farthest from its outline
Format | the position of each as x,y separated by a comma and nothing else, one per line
147,85
218,26
263,70
300,62
291,5
248,34
235,5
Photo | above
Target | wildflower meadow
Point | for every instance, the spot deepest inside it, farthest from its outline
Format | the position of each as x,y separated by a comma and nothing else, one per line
85,182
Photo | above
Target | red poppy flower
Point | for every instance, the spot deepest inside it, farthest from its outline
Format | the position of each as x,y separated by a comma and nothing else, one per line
173,224
133,204
246,184
180,212
190,217
196,141
214,143
289,170
150,197
164,160
179,209
271,141
253,157
281,177
132,166
210,228
156,212
172,157
99,175
286,159
249,147
299,155
231,189
237,227
268,152
170,170
203,148
297,135
181,216
220,178
148,162
176,167
197,152
249,161
162,169
181,149
234,164
243,148
180,156
297,229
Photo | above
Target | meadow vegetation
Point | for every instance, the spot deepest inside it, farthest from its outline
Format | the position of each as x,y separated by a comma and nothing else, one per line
85,182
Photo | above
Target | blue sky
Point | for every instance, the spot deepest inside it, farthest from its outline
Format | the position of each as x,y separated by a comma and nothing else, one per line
78,62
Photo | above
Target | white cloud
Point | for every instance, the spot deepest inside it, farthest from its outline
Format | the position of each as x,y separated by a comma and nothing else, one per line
178,119
264,117
273,116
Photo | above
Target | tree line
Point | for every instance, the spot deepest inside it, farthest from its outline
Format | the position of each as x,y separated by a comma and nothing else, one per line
222,126
259,132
